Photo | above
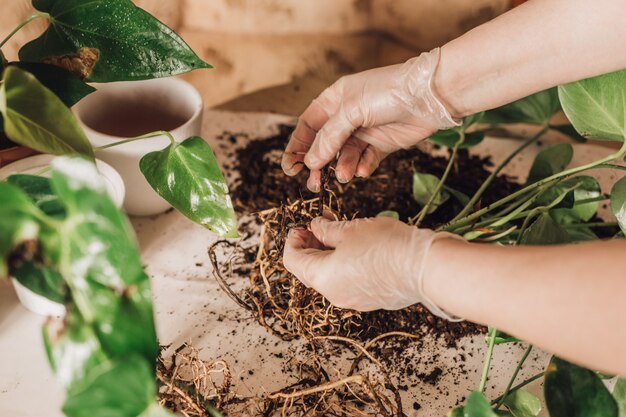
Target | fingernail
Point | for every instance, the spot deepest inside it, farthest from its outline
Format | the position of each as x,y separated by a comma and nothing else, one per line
341,177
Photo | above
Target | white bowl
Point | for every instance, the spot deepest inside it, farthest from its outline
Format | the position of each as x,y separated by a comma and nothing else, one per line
115,188
172,95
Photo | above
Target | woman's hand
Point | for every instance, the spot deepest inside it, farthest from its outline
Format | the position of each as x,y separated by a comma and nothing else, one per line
365,264
364,117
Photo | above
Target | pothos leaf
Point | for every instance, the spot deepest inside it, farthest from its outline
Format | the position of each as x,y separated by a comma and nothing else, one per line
535,109
66,86
597,106
188,176
43,281
109,40
389,213
449,138
574,391
424,186
570,131
550,161
121,388
478,406
40,192
522,404
619,393
618,203
35,117
574,211
73,349
545,231
100,260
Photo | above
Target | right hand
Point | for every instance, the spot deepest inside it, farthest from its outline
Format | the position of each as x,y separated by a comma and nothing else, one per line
364,117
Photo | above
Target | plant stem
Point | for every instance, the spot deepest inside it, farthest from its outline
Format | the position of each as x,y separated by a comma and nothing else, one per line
468,219
520,385
495,173
146,136
24,23
420,217
507,390
492,342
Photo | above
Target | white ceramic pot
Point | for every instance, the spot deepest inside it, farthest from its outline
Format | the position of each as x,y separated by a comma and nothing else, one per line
173,97
115,187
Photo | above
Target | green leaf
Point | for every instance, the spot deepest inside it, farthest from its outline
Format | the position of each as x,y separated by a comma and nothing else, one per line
461,197
35,117
389,213
65,85
73,349
18,223
545,231
597,106
535,109
450,137
42,281
618,203
586,188
550,161
580,234
522,404
39,189
188,176
100,260
619,393
478,406
122,388
424,185
569,130
109,40
572,391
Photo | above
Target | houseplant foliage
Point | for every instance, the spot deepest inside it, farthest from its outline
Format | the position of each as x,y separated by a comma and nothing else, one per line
62,237
556,205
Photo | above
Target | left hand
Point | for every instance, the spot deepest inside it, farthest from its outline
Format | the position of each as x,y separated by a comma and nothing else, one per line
364,264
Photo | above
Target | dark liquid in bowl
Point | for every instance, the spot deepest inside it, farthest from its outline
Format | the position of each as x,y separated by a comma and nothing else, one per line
134,119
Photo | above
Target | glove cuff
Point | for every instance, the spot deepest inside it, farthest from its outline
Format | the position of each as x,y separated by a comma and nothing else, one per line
416,91
426,301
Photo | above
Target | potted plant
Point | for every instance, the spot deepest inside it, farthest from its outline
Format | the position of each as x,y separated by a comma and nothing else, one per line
63,234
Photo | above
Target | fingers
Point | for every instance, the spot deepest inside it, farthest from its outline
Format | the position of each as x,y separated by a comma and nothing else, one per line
302,255
333,135
349,159
309,123
330,233
370,159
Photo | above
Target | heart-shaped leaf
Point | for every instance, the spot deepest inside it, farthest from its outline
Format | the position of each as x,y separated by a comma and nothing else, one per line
35,117
618,203
619,393
597,106
39,189
522,404
43,281
574,391
424,185
478,406
65,85
449,138
109,40
535,109
188,176
122,388
100,260
545,231
550,161
574,211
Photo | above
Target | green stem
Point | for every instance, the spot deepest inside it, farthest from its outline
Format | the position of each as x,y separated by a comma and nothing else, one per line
520,385
507,390
468,219
420,217
495,173
24,23
146,136
492,342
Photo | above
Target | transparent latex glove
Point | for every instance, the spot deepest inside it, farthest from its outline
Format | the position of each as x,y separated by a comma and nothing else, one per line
364,264
364,117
